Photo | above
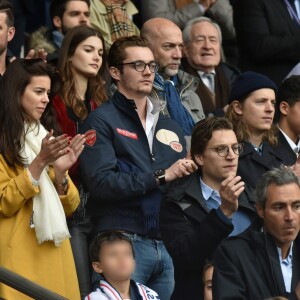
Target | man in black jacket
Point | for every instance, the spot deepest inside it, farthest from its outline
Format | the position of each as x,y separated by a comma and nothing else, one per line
268,34
206,207
262,264
288,101
132,151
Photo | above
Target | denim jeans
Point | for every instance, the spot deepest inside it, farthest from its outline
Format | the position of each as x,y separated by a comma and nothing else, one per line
154,266
80,232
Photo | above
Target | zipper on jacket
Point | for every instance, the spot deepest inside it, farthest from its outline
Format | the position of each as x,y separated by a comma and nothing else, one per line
152,157
187,86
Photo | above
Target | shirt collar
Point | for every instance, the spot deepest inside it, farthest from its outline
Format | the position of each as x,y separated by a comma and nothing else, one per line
150,106
289,258
201,73
295,147
211,72
207,191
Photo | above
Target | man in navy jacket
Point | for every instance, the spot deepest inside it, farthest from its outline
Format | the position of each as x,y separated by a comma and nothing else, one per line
132,151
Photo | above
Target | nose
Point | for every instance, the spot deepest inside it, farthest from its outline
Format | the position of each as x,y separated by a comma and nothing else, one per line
97,56
230,154
270,106
83,18
289,214
177,52
207,43
45,98
147,70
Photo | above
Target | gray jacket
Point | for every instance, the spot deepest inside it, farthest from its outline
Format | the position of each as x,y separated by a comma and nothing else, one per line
221,12
187,86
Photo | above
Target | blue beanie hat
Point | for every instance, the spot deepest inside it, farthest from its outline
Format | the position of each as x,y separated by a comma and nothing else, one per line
248,82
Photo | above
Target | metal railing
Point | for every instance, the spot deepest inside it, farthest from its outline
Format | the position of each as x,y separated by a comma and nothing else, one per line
26,286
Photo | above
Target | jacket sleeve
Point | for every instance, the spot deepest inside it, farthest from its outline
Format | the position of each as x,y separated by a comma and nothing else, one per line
190,245
101,173
227,283
222,13
257,35
71,200
15,190
165,9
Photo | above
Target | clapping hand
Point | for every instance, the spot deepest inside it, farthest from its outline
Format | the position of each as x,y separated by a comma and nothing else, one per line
70,154
58,151
230,190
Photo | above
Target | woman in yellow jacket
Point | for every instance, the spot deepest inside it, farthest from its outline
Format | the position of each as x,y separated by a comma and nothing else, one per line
36,193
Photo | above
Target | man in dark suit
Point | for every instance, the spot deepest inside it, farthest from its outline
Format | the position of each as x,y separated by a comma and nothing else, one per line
205,207
202,47
288,101
268,34
262,264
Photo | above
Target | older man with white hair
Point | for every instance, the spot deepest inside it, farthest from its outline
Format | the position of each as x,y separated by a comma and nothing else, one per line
203,59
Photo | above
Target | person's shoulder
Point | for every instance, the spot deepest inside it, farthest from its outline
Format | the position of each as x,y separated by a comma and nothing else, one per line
248,241
177,188
105,110
187,80
96,295
144,290
231,72
41,39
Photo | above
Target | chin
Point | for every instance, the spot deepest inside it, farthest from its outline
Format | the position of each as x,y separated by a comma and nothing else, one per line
171,72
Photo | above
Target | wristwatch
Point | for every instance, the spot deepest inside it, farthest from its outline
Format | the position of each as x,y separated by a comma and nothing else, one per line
160,175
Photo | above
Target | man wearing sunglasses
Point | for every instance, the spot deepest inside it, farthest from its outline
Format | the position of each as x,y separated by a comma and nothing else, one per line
204,208
132,151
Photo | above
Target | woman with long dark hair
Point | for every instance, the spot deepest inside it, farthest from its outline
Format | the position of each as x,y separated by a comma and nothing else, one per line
82,65
36,192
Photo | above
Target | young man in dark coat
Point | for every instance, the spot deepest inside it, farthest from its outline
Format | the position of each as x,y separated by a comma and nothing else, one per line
288,102
262,264
206,207
131,152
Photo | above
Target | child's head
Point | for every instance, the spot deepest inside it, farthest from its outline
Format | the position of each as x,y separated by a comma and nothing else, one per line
112,255
207,280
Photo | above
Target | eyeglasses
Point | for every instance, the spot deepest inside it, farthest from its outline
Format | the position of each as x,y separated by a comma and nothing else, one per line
223,151
140,66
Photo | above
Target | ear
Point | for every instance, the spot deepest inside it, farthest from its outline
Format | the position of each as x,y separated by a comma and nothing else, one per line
199,159
97,267
11,33
284,108
237,106
115,73
57,22
260,211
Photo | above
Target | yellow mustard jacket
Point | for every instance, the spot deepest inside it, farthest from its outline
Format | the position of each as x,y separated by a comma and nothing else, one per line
50,266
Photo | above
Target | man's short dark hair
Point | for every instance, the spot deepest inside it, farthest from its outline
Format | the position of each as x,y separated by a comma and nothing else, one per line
289,90
58,7
203,131
106,237
7,7
117,53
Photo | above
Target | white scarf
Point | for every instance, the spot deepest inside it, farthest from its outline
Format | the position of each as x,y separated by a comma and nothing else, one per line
48,214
